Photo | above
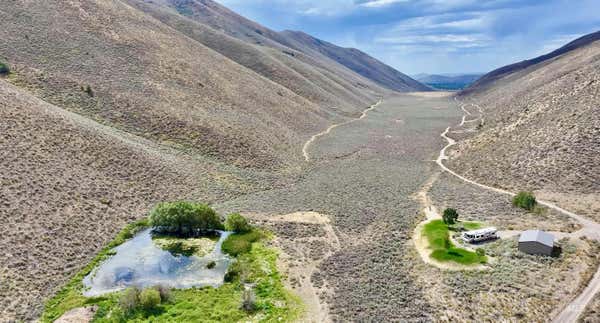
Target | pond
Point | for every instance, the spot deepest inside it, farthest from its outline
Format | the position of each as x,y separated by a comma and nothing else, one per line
140,262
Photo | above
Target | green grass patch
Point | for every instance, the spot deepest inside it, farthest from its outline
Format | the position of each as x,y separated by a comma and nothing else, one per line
70,296
240,243
438,236
254,264
465,225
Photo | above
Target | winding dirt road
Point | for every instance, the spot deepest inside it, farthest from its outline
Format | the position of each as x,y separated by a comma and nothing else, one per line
328,130
590,229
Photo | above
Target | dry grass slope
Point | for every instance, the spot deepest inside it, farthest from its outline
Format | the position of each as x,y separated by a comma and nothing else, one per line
69,184
149,79
541,131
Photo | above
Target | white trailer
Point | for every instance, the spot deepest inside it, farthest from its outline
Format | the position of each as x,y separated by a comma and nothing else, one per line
479,235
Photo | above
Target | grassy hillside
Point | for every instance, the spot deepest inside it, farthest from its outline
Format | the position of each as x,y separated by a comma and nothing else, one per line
355,60
289,68
149,79
350,64
69,184
541,130
489,78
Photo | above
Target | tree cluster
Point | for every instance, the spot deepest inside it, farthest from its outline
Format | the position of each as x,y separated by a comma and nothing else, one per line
184,218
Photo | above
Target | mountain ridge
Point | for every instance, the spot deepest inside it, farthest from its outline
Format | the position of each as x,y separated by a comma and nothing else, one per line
515,67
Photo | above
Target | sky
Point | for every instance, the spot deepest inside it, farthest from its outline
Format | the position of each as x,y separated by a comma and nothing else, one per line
433,36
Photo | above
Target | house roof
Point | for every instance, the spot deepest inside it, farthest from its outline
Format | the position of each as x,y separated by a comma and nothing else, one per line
537,236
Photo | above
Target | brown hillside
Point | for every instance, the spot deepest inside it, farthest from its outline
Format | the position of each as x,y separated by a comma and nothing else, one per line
348,62
69,184
355,60
541,131
333,90
152,80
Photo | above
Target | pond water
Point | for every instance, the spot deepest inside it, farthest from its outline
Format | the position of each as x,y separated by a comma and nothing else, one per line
139,262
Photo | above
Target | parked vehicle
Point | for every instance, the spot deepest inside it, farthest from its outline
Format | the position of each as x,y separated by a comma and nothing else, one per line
479,235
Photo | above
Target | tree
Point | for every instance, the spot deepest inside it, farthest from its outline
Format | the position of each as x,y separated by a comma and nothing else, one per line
450,216
129,300
4,69
149,298
237,223
184,218
525,200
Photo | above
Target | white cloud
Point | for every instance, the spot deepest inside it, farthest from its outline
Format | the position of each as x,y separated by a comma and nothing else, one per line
380,3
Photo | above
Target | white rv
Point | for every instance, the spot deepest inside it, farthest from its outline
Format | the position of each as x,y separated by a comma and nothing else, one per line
479,235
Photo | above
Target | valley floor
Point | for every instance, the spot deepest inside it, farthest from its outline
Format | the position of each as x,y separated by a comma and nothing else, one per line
365,176
345,227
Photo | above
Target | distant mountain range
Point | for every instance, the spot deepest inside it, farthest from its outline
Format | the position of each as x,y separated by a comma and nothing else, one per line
447,81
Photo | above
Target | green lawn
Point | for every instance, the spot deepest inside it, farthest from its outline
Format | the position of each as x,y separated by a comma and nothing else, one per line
255,263
438,236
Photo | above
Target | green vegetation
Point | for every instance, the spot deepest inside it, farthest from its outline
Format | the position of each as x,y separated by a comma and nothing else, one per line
191,246
184,218
438,236
70,295
450,216
240,243
228,303
129,300
88,89
465,226
211,265
480,252
254,264
525,200
4,68
237,223
149,298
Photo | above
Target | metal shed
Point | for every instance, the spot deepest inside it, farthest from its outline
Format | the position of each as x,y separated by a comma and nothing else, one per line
536,242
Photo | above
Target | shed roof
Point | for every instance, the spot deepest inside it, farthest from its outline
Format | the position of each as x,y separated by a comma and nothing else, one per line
537,236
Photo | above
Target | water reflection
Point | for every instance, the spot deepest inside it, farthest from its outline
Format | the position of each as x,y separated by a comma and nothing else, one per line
139,262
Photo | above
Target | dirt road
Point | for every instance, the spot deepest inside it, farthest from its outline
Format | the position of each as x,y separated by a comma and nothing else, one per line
328,130
590,229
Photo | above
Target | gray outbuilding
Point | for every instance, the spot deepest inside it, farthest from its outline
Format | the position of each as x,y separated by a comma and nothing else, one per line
536,242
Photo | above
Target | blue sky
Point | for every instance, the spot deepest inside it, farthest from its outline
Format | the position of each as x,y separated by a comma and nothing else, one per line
433,36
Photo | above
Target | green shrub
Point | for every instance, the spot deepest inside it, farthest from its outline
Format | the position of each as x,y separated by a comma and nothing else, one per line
233,272
149,298
129,300
525,200
4,69
184,218
240,243
450,216
480,252
237,223
88,89
211,265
